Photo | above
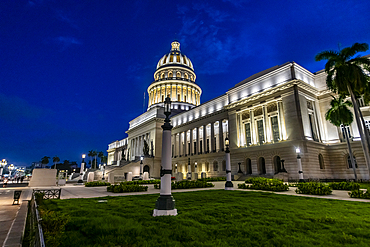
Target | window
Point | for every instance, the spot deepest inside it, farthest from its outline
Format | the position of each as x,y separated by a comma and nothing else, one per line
195,148
313,127
249,166
275,129
224,165
261,166
200,146
215,166
178,98
350,163
321,162
189,148
207,145
248,137
277,164
261,134
346,131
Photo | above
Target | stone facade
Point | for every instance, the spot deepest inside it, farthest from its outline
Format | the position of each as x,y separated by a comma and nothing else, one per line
266,117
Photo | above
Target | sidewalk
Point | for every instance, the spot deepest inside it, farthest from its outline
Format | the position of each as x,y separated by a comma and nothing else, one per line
12,217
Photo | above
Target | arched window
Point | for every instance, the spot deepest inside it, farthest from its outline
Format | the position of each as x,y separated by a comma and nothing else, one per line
321,162
224,165
170,74
349,163
248,164
261,166
162,75
277,164
215,166
178,74
186,76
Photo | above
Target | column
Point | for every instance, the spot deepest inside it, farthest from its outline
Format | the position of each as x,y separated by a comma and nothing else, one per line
267,124
196,150
251,118
198,141
238,129
204,138
282,128
212,138
191,142
179,144
221,135
185,143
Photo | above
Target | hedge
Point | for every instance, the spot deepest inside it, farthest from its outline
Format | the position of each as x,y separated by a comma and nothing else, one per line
96,183
313,188
260,183
119,188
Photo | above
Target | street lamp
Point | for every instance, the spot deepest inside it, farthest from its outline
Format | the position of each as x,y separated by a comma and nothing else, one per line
103,172
299,162
141,167
189,169
165,204
3,163
228,184
80,181
11,168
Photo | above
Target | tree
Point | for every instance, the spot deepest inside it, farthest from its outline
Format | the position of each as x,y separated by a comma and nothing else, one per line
45,160
55,161
92,154
100,155
349,76
146,148
340,115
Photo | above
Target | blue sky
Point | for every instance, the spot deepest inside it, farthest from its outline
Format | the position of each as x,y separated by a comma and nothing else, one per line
73,73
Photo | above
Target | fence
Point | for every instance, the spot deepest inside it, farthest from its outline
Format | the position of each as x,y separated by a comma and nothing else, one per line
36,236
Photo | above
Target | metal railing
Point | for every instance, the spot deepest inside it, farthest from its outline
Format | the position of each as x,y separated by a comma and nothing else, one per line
35,228
49,194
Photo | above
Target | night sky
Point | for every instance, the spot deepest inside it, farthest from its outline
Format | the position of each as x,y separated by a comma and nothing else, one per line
73,73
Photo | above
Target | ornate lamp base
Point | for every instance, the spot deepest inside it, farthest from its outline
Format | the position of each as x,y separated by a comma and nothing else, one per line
229,185
165,206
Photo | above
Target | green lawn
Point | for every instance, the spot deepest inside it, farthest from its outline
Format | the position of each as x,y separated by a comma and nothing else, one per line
215,218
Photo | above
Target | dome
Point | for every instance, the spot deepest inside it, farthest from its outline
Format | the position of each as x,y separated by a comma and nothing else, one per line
175,57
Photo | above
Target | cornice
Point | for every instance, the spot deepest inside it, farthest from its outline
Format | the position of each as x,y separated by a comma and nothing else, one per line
271,91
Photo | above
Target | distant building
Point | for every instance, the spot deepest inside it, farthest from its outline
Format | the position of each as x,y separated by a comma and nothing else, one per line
266,117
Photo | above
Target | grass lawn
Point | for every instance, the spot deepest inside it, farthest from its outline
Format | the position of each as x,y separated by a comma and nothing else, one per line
215,218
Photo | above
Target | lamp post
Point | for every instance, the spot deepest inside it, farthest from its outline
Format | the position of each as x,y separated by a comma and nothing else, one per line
141,167
228,185
11,168
189,169
3,163
103,172
176,168
165,204
80,181
299,163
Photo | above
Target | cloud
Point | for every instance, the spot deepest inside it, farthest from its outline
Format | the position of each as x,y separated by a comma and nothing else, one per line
65,17
206,28
65,41
14,109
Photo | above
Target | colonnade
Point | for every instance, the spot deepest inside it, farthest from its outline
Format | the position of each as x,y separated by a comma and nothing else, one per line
177,92
207,138
261,124
137,145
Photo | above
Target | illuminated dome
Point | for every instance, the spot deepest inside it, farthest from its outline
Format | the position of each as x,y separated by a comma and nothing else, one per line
174,77
175,57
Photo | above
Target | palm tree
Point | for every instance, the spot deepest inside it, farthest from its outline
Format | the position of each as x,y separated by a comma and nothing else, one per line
91,154
45,160
348,76
100,155
55,161
340,115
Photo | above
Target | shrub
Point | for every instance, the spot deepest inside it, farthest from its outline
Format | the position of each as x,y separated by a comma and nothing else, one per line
96,183
215,179
344,186
187,184
120,188
260,183
155,181
359,194
313,188
53,225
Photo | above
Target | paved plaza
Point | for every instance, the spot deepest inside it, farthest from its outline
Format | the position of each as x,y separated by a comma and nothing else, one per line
13,217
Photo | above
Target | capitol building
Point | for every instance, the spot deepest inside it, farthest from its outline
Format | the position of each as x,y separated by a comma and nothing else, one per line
266,117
